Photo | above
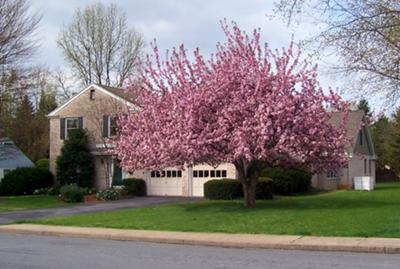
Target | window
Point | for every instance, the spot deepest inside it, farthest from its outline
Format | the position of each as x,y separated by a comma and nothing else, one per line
206,173
71,124
218,173
360,137
92,94
113,126
194,173
365,166
223,173
201,174
212,173
331,174
166,173
109,126
369,166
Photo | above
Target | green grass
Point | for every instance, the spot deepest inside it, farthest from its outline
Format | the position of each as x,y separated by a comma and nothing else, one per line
11,203
341,213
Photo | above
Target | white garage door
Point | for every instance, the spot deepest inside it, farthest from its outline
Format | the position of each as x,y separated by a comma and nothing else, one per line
164,186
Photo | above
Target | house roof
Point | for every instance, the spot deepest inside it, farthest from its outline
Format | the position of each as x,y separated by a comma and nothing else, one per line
353,125
11,156
128,96
117,93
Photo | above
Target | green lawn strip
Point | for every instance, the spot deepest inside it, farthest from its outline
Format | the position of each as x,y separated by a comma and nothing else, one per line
341,213
12,203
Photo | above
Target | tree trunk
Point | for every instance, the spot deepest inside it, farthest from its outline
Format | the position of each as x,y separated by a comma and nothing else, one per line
248,175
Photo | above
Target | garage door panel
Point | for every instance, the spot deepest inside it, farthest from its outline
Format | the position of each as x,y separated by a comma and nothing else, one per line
164,186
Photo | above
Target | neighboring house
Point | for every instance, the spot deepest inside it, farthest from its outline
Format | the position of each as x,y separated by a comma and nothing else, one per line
11,157
94,108
360,150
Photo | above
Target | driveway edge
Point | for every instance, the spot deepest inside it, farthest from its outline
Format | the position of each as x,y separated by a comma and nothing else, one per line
287,242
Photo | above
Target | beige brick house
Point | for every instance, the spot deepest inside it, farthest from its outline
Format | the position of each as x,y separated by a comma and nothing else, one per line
94,107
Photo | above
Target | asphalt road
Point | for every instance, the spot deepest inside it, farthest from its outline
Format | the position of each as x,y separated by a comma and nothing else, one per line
12,216
34,252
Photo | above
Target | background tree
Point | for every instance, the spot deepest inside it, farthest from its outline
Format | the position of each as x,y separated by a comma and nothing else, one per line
246,105
364,105
365,34
99,46
17,32
75,163
23,127
382,135
395,143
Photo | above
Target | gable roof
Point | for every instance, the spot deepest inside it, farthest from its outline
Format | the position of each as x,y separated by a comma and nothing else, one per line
11,156
117,93
353,125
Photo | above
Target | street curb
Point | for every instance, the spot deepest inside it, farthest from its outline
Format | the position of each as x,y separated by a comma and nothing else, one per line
258,241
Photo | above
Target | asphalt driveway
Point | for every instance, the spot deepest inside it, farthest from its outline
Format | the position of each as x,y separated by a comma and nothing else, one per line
12,216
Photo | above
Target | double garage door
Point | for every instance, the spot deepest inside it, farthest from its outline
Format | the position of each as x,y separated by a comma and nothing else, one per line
181,183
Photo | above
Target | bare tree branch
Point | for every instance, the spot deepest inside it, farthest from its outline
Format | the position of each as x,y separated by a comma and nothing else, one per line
99,46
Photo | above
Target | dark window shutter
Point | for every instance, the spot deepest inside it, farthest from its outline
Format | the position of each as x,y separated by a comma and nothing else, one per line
62,128
105,126
80,122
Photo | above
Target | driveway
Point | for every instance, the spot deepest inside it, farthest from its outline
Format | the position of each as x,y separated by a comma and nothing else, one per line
12,216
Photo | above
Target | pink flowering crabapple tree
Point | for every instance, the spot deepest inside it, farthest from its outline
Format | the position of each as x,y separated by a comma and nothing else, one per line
246,105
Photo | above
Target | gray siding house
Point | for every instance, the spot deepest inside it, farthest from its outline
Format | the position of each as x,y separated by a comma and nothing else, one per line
361,154
11,157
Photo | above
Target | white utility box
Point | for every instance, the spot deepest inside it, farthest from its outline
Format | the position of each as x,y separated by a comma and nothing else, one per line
365,183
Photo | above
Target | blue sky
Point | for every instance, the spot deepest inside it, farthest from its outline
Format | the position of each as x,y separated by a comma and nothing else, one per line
192,22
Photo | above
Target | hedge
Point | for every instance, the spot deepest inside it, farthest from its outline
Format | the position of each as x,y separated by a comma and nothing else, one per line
134,186
288,181
24,181
230,189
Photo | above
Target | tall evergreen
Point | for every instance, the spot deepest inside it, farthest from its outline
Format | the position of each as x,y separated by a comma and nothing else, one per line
75,163
22,130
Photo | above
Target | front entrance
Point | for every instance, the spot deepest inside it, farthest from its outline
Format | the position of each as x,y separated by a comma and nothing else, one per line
117,173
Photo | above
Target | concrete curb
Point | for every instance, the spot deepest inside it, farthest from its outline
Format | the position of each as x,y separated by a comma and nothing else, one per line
289,242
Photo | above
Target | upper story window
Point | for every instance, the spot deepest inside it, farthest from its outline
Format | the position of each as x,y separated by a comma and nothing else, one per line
109,126
68,124
71,124
92,94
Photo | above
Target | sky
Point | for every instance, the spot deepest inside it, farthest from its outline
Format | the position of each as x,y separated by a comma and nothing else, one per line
172,22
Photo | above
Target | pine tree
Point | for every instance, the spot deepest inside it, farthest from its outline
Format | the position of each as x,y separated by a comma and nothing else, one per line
22,130
75,164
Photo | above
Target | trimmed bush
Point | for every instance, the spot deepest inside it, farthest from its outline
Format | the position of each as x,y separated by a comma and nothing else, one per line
223,189
23,181
72,193
230,189
135,186
108,195
288,181
264,189
42,164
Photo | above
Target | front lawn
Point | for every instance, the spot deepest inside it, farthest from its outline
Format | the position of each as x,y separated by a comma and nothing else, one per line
341,213
11,203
